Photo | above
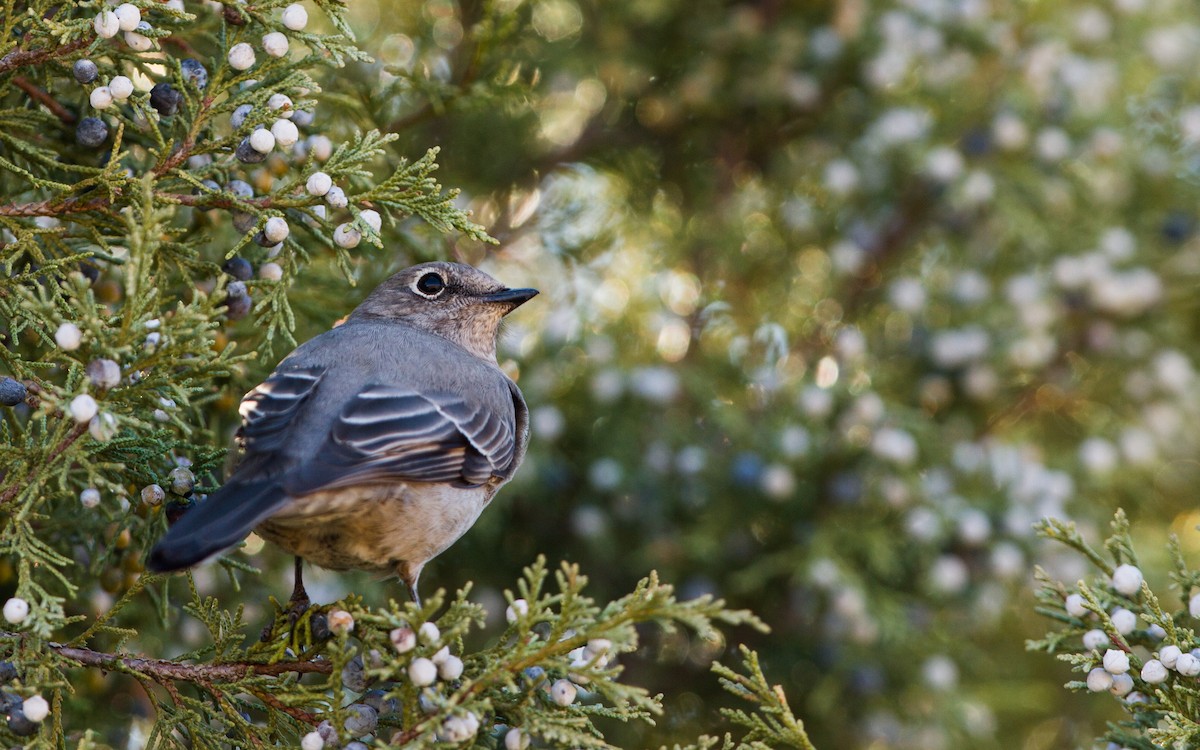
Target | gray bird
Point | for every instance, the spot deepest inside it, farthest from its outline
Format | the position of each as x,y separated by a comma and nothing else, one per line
377,444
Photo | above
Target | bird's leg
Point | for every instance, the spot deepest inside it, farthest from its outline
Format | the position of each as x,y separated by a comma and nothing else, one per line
299,602
409,573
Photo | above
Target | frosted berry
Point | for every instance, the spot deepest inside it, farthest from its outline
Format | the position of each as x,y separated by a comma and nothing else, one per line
100,98
518,609
1127,580
91,132
182,481
262,141
138,40
340,622
1168,655
422,672
275,44
35,708
1154,672
1122,685
194,72
85,71
451,668
239,115
247,154
104,373
1123,620
12,392
1187,665
270,271
563,692
429,633
107,25
295,17
312,741
362,719
1098,680
336,197
276,229
83,407
1074,605
152,494
241,56
120,87
303,117
165,98
90,497
20,724
372,219
239,268
1094,639
515,739
128,16
1194,606
16,610
318,183
346,236
1116,661
403,639
321,146
282,103
103,427
240,188
285,133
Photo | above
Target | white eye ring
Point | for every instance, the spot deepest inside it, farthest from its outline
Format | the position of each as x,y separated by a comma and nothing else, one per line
433,282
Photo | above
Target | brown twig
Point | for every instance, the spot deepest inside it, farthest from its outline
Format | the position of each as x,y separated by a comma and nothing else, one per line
47,101
54,207
161,670
34,56
298,714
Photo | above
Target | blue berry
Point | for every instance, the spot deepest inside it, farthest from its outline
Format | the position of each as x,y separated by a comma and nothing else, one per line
165,99
239,268
85,71
194,72
362,720
19,724
302,118
12,392
237,306
247,154
91,132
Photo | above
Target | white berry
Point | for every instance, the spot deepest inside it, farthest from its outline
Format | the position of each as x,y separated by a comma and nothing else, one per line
403,639
90,497
1122,685
515,739
139,42
1154,672
372,219
1074,605
1194,605
346,236
68,336
1094,639
1168,656
1098,680
322,147
340,621
100,98
275,44
518,609
1123,620
295,17
563,692
262,141
83,407
241,56
276,229
422,672
103,427
1116,661
429,633
282,102
16,610
336,197
1187,665
107,25
312,741
128,16
318,183
451,668
35,708
1127,580
270,271
285,133
120,87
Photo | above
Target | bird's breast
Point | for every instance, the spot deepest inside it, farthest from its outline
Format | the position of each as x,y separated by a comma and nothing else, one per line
376,527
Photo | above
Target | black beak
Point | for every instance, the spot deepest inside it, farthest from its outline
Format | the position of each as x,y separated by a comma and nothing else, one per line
511,298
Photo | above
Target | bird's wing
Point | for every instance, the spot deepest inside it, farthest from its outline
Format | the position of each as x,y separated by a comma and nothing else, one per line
387,433
268,409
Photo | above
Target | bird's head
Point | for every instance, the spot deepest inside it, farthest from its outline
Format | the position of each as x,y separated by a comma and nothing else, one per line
453,300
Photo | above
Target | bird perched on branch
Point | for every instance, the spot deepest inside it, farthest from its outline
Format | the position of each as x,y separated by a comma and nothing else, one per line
377,444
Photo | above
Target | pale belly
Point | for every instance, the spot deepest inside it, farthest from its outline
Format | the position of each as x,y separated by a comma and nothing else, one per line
393,528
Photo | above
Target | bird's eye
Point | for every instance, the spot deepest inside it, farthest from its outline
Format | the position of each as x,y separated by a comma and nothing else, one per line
430,285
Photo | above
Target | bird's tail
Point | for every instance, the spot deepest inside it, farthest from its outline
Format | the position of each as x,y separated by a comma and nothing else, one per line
219,522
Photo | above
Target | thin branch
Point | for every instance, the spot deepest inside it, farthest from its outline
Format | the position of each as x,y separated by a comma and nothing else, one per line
55,207
161,670
47,101
15,489
298,714
35,56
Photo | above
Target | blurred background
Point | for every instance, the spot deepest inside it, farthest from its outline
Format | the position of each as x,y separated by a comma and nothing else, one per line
838,298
